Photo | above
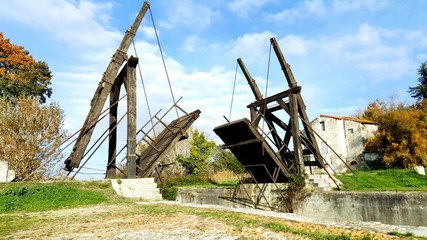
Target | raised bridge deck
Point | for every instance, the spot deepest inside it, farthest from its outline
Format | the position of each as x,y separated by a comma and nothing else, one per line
253,151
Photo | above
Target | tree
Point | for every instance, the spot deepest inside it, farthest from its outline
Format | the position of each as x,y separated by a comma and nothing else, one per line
402,133
30,137
225,160
420,92
200,151
20,74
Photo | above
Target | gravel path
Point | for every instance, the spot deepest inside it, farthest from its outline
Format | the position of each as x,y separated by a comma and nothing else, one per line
127,221
371,226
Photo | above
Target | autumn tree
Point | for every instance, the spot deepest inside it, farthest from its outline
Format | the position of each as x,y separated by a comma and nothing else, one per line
402,133
30,137
20,74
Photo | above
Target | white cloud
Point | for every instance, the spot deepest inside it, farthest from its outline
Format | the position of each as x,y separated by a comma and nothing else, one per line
381,53
188,14
321,9
77,24
251,46
243,7
305,9
191,43
342,6
294,45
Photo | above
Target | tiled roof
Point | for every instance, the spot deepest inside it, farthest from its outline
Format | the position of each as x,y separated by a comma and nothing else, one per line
350,119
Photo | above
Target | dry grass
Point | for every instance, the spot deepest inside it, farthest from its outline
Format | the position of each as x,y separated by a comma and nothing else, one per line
222,177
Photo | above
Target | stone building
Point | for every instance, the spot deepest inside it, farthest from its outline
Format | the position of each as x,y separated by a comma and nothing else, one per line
346,136
6,175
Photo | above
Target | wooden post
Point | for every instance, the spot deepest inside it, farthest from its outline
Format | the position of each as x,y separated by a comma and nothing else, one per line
112,143
298,155
102,92
130,82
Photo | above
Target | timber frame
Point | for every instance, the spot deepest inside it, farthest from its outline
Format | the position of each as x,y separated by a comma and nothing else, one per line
289,161
110,85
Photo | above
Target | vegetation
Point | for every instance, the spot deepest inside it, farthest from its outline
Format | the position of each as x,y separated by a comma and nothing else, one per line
30,197
384,180
30,132
30,136
401,135
294,193
20,74
200,151
420,92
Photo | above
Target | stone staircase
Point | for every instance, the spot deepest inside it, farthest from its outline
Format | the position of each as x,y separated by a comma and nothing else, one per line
142,188
321,182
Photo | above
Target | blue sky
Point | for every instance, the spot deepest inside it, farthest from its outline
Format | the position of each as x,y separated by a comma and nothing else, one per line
343,53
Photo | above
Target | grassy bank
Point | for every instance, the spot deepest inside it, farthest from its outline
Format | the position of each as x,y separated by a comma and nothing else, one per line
30,197
384,180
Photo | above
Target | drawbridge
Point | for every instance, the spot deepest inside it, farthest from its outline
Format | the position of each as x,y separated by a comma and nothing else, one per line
273,155
121,71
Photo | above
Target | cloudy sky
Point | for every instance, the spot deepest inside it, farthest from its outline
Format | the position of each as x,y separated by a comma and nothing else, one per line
343,53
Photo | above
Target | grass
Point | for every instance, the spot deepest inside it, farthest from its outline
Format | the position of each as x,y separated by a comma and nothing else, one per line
27,198
30,197
384,180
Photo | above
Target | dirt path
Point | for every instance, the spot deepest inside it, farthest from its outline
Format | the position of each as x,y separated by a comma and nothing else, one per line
154,221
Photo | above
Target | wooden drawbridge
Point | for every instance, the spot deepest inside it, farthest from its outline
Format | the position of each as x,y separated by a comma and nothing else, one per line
283,149
122,71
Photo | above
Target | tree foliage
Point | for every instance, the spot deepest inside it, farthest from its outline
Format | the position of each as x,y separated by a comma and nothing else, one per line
30,136
225,160
402,133
200,151
20,74
420,92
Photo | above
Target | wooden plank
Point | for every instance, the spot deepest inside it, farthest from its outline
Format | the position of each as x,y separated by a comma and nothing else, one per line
148,160
254,152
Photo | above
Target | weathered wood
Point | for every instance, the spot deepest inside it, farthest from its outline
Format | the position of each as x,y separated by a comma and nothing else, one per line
102,92
277,96
171,134
130,82
296,134
112,142
251,81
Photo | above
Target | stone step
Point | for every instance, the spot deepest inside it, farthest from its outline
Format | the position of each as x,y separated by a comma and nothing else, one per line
321,182
143,188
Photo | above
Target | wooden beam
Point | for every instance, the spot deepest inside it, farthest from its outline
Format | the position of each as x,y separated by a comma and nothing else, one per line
296,134
102,92
251,81
112,141
277,96
130,82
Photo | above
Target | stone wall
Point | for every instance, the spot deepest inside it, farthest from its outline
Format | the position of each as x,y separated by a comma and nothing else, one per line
395,208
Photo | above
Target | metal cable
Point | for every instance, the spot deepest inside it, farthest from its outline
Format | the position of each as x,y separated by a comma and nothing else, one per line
143,87
163,60
232,94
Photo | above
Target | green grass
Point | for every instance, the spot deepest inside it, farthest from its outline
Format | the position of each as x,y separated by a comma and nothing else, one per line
384,180
30,197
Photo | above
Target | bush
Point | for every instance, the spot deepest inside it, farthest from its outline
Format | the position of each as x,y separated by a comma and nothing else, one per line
294,193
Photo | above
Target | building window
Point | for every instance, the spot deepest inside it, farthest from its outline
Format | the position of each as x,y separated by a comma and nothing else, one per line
322,126
350,131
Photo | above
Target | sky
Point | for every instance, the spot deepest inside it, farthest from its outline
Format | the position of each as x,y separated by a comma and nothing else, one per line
343,53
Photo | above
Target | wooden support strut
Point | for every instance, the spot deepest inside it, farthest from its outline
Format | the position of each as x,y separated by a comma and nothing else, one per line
102,92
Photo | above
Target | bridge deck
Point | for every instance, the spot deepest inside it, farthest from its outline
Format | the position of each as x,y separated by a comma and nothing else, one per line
167,138
252,151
